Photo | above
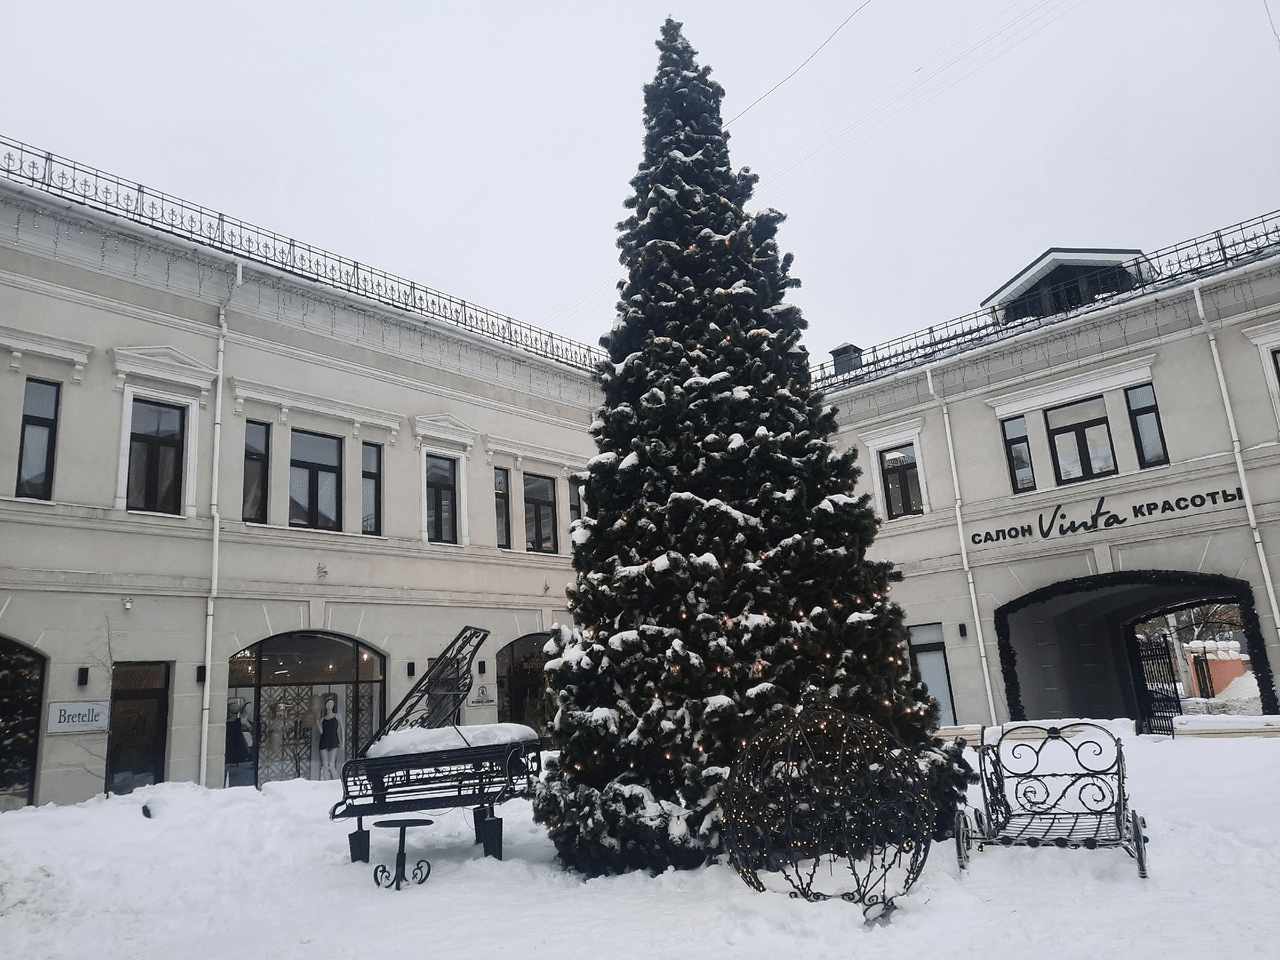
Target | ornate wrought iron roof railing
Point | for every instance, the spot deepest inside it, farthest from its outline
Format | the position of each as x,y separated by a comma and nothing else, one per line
1211,253
96,189
135,202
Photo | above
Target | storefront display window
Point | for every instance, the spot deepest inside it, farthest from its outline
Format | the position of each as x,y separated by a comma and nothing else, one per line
21,687
299,705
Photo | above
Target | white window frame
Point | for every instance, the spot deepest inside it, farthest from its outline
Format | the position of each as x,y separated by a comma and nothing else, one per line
886,438
459,459
191,428
446,436
559,465
1266,337
1109,383
163,364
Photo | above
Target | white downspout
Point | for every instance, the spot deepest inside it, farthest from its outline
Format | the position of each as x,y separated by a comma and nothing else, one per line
1235,449
964,553
217,531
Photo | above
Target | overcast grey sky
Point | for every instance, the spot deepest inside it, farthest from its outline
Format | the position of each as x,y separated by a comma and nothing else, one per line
928,152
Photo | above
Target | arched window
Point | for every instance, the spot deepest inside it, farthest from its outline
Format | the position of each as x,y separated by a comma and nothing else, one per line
522,682
21,696
299,704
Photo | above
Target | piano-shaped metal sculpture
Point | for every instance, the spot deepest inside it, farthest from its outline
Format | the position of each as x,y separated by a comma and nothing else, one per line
421,759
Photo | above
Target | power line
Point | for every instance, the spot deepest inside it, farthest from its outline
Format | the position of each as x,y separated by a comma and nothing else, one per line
1005,38
864,123
802,65
1267,6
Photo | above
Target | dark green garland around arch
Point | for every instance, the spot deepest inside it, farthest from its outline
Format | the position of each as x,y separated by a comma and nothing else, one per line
1217,585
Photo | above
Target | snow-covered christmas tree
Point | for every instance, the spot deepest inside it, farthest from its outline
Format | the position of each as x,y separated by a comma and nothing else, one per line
721,562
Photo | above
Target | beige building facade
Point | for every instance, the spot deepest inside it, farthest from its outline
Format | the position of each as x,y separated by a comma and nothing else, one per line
249,489
257,489
1099,445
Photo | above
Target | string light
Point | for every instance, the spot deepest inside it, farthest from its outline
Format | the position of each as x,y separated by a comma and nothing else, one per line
824,787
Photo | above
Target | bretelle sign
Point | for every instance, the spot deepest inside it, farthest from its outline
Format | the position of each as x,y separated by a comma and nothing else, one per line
80,716
1058,523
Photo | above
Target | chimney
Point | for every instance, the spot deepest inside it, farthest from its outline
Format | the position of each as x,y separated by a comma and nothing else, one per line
847,358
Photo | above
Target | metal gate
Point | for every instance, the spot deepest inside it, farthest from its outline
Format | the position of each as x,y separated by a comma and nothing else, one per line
1156,680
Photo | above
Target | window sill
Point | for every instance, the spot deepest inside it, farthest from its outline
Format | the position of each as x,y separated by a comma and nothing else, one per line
908,516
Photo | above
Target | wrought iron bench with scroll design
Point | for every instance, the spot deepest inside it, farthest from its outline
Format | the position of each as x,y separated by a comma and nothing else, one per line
1060,786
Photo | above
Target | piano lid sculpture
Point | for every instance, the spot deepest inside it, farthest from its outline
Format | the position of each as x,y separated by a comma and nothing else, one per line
421,759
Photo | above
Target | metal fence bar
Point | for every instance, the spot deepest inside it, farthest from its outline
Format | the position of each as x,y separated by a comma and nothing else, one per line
59,176
93,188
1178,263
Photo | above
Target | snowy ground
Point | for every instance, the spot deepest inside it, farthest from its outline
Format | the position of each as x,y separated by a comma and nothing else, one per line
245,874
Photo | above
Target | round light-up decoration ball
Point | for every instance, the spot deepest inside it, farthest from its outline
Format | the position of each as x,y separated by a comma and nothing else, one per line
831,805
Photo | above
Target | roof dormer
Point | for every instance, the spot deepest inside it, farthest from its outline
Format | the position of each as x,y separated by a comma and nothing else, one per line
1066,278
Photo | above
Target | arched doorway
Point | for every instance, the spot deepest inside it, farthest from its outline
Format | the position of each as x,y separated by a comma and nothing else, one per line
1071,649
522,684
21,699
299,704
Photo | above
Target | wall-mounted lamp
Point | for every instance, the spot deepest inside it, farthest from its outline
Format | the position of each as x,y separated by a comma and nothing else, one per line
82,678
128,602
964,630
481,668
200,673
413,668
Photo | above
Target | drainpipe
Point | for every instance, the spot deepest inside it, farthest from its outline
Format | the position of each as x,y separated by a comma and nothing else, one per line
964,553
1235,449
217,531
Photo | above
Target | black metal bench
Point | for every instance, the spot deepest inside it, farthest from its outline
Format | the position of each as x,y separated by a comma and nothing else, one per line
1053,786
478,777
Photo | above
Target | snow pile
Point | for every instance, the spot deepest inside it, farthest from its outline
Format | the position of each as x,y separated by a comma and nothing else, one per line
240,874
420,740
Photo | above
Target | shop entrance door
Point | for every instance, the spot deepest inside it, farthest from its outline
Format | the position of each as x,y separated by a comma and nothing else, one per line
139,725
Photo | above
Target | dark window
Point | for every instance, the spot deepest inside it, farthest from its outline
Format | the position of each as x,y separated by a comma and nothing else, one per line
257,454
539,514
442,499
1080,440
155,457
1147,432
929,657
901,479
1017,452
315,481
575,501
39,436
371,489
502,504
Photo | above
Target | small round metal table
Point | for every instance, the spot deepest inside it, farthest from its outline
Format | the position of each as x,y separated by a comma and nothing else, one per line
382,874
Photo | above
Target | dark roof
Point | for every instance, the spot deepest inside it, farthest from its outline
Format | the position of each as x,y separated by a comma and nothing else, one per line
1055,257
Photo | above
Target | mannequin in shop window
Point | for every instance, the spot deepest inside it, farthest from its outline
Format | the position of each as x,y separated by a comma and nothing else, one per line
238,751
330,740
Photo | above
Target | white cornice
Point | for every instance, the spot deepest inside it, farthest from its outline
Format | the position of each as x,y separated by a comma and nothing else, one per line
287,400
892,436
445,427
165,364
578,379
22,342
521,449
1126,374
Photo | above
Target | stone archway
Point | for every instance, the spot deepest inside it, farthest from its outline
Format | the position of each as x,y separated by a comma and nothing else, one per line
299,704
21,703
1066,649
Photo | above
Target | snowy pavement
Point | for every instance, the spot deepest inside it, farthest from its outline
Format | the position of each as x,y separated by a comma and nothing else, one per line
245,874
